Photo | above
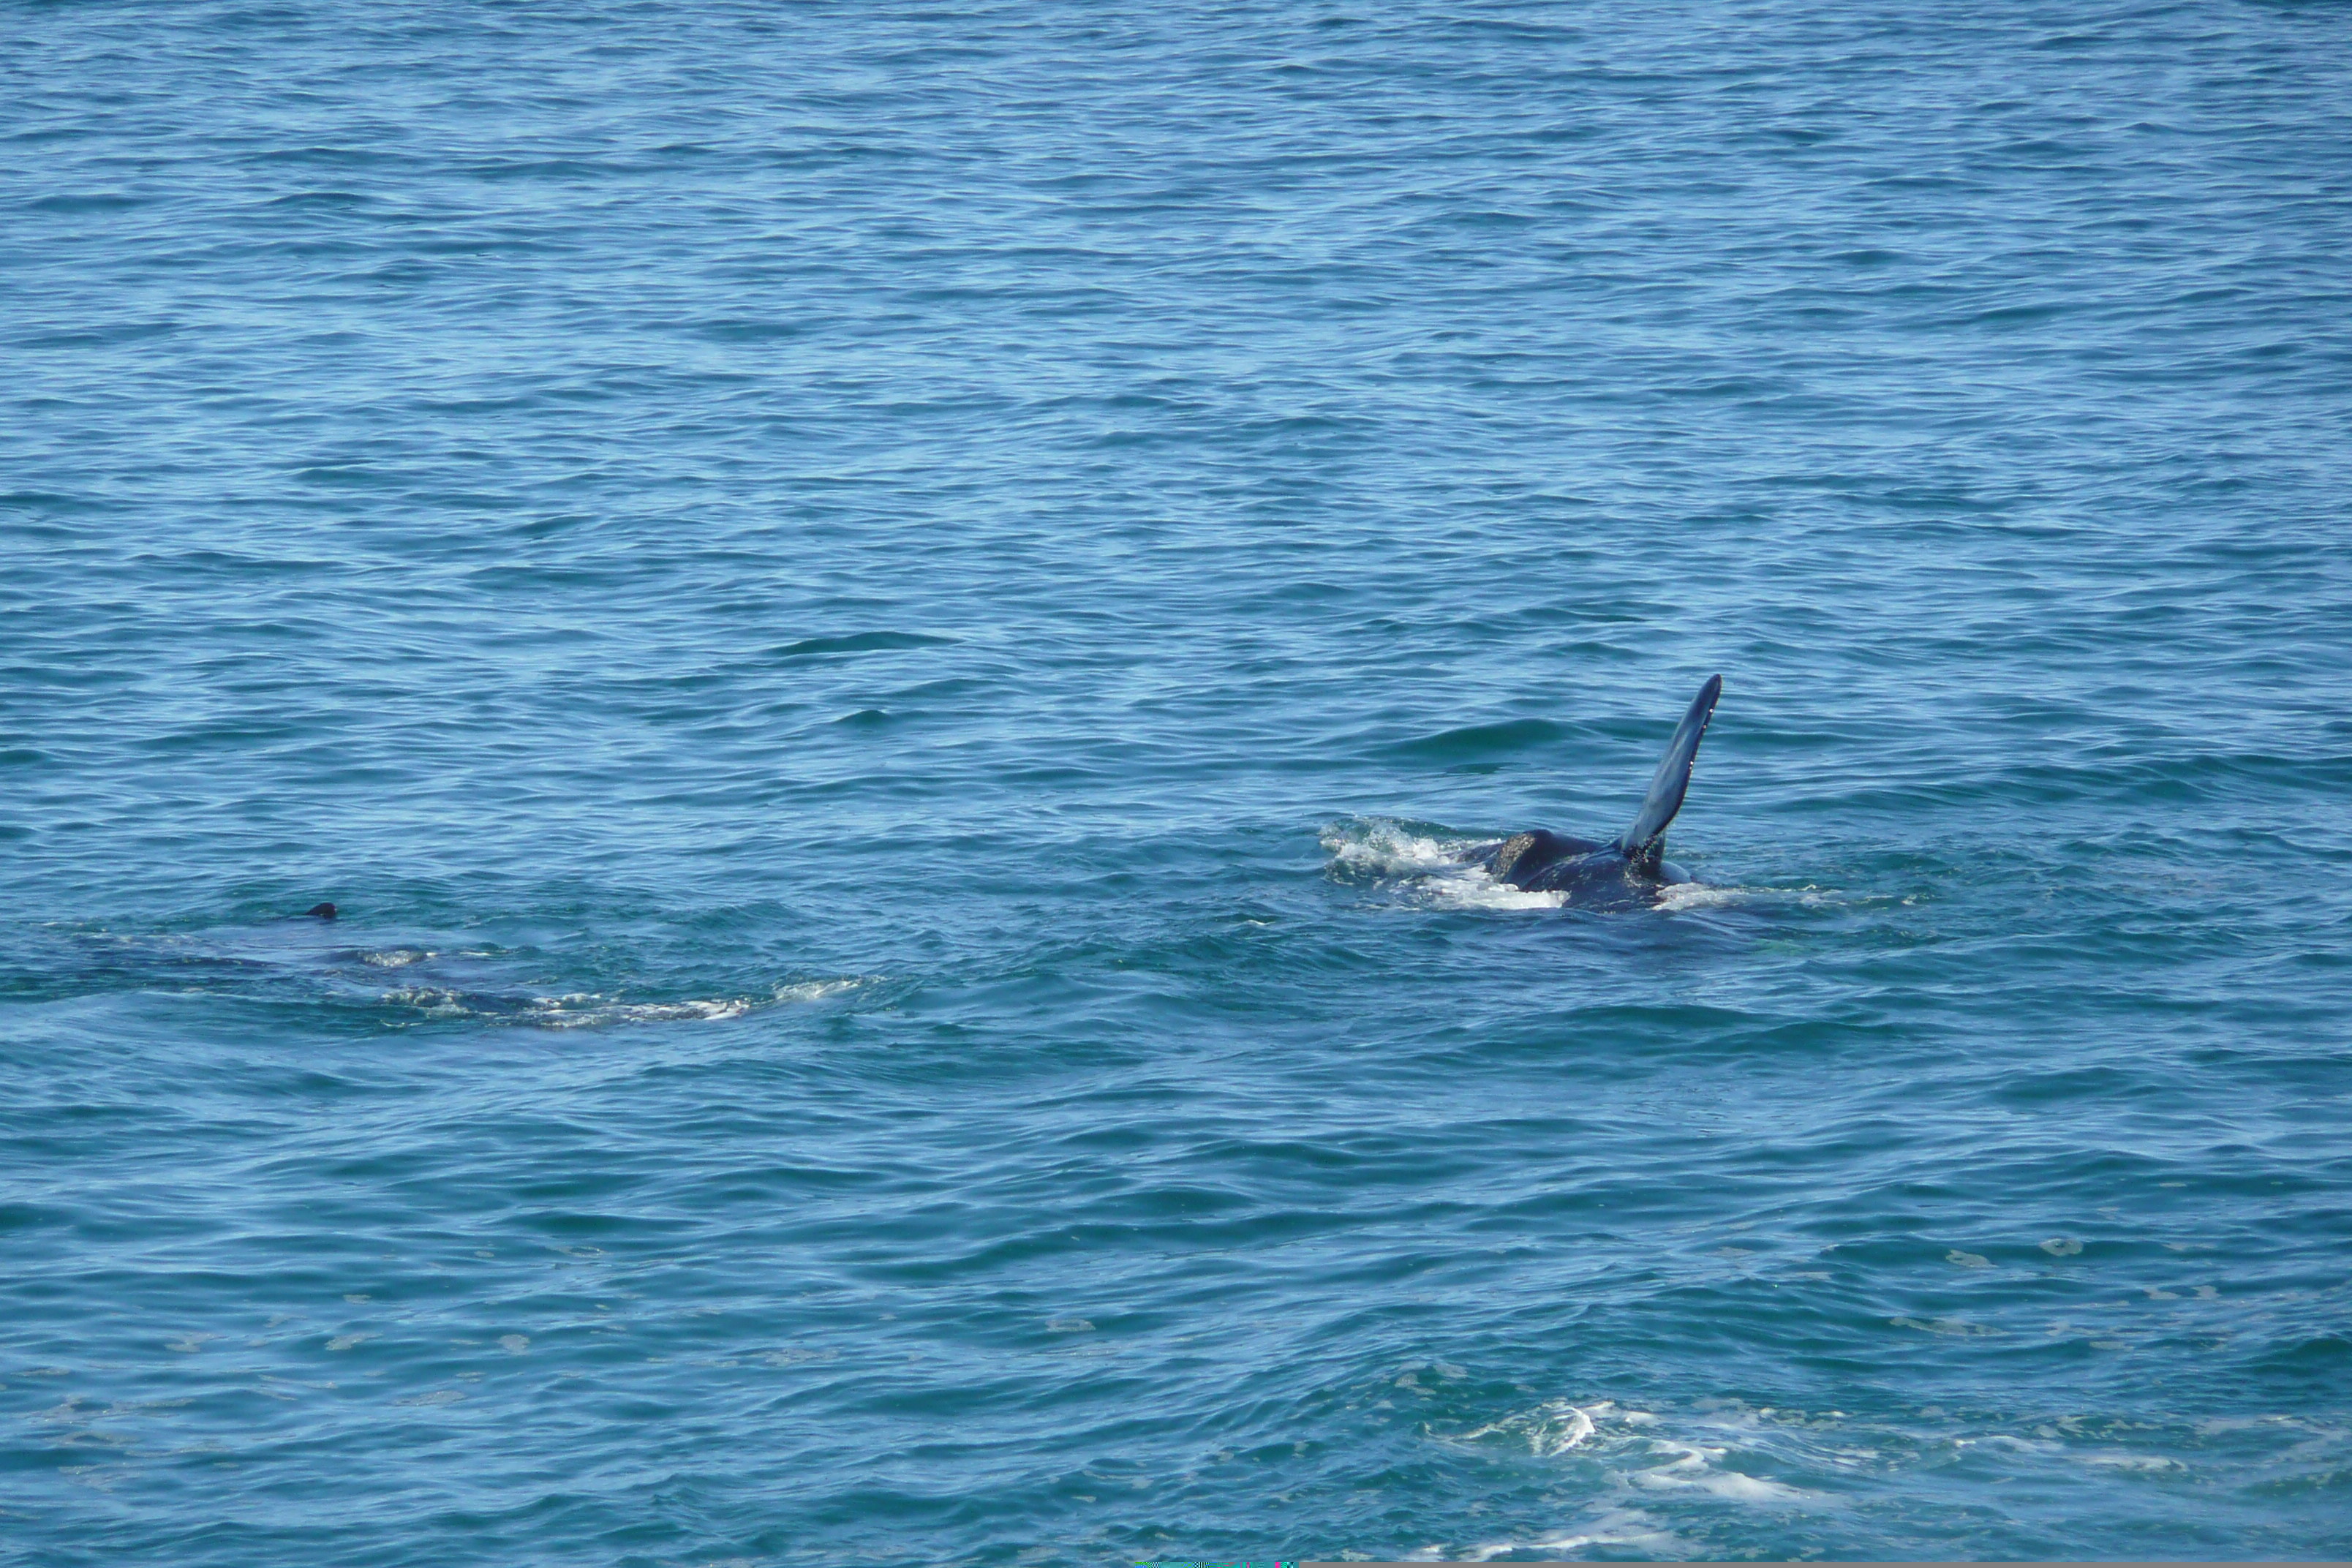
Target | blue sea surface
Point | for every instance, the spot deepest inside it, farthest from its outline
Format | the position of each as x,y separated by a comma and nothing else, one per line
883,619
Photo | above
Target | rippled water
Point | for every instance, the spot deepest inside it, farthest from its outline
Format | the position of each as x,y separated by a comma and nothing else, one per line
880,619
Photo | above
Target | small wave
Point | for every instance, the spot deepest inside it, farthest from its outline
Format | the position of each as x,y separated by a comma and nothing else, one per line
857,642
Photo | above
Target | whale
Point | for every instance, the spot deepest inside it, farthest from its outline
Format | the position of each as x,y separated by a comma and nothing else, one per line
1626,868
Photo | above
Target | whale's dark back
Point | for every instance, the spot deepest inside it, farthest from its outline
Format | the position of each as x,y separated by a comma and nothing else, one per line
1542,861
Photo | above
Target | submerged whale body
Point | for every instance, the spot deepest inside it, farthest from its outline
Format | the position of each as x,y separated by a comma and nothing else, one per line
1622,868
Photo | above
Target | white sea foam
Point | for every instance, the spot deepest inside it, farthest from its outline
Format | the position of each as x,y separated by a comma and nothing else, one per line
1624,1528
1634,1453
2122,1461
1386,847
1551,1428
1425,865
1700,895
1696,1458
1692,1466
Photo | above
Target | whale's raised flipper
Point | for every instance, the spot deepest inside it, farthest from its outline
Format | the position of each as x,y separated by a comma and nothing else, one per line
1644,842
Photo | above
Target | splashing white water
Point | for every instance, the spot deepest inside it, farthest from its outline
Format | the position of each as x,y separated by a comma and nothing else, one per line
1425,865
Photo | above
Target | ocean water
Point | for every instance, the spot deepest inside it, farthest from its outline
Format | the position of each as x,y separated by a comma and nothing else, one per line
881,618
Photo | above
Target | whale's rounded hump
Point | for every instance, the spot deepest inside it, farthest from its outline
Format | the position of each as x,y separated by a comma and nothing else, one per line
323,912
1524,859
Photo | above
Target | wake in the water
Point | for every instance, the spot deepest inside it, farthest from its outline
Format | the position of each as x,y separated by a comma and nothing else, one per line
403,983
589,1009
